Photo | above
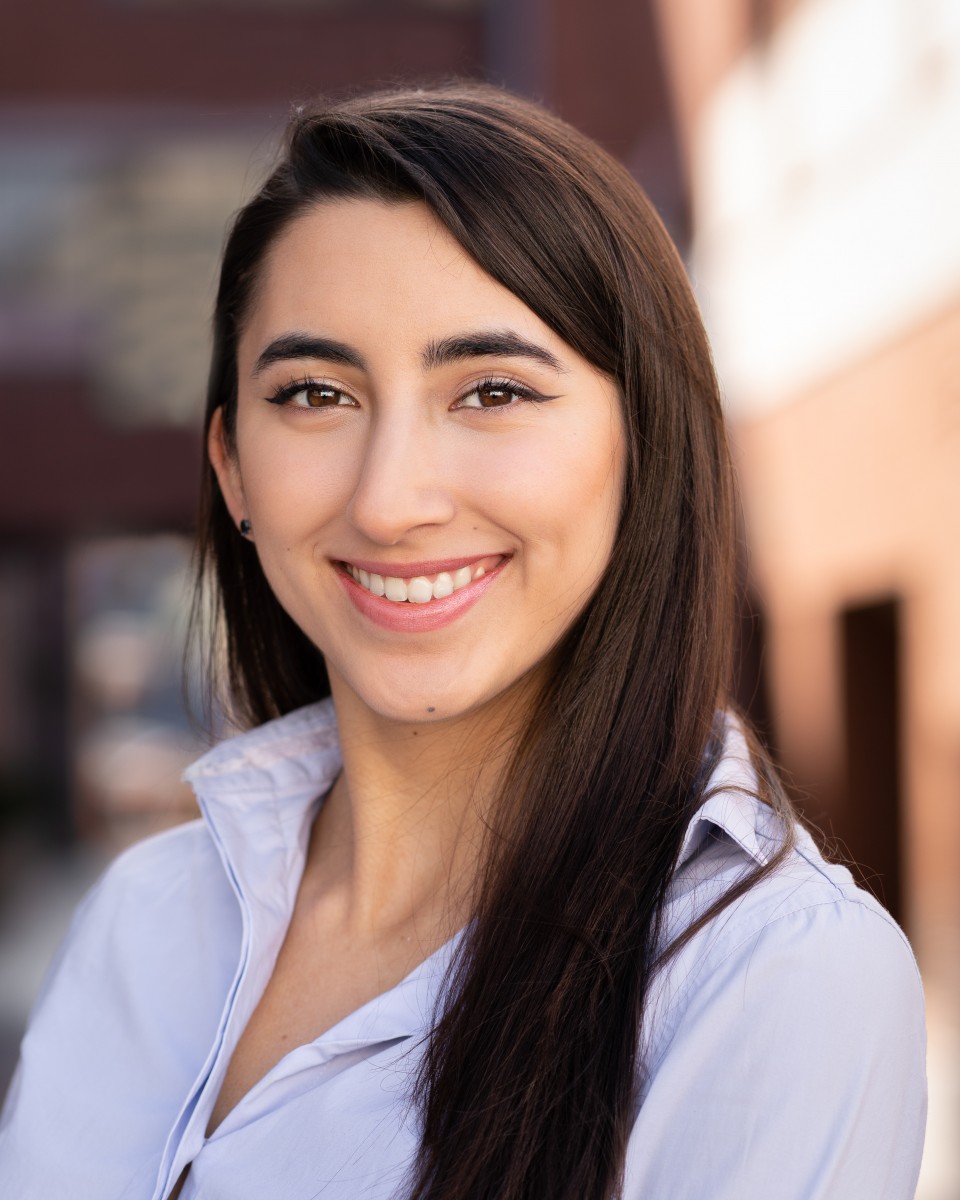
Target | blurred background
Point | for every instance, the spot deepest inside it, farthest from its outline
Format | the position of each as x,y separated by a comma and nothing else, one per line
805,155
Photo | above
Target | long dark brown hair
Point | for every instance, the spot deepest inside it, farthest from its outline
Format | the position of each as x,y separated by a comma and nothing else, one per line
530,1079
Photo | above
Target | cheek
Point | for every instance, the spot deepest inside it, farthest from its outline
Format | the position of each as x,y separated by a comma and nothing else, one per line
559,497
291,484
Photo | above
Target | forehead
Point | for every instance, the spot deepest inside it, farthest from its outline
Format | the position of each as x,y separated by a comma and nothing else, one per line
361,268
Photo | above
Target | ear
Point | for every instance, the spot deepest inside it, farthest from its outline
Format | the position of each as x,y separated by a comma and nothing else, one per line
223,459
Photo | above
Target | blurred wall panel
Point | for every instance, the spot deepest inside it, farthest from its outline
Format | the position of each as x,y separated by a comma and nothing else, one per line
237,53
603,70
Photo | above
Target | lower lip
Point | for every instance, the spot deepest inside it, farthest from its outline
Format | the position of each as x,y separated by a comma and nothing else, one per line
404,617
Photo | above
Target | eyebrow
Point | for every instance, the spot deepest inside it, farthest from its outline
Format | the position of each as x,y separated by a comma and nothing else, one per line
496,343
307,345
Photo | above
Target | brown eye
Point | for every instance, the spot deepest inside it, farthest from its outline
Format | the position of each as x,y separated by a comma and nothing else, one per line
491,395
495,394
306,393
320,395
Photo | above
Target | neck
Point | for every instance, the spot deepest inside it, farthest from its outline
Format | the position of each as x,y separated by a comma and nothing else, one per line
400,837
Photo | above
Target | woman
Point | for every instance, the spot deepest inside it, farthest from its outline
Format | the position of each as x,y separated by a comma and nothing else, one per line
519,912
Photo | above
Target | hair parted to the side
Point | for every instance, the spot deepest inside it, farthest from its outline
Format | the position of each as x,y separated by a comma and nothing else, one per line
530,1079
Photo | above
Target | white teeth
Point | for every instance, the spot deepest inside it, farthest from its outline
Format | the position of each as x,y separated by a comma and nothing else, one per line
442,586
395,588
419,590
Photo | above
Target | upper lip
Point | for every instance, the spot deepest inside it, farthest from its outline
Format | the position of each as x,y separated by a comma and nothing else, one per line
410,570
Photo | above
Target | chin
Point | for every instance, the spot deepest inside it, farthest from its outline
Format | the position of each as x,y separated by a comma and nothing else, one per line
416,697
416,706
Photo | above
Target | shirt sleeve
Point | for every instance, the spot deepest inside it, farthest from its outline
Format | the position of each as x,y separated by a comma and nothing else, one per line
796,1068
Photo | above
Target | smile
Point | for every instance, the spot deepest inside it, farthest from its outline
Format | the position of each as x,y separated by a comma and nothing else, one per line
422,588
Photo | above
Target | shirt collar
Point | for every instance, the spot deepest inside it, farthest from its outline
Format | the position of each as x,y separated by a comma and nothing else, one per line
267,782
259,791
733,807
298,749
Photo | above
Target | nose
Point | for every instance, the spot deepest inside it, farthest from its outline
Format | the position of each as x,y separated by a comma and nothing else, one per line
402,484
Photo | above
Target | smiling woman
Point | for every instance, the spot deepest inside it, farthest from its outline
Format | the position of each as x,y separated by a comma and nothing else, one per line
495,897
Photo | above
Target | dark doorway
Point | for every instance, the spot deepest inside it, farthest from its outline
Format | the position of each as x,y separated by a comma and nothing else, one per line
868,821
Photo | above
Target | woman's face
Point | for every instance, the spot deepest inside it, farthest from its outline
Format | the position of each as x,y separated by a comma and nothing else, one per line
407,426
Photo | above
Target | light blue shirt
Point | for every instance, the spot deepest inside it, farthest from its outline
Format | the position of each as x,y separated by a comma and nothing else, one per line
784,1046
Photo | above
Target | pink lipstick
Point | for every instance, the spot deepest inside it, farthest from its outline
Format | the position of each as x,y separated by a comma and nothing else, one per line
406,617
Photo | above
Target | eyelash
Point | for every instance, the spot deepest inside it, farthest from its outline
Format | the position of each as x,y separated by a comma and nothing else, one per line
285,392
497,384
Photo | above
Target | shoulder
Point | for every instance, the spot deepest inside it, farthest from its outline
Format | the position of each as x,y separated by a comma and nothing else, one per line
806,903
806,892
785,1044
128,1012
175,850
163,912
807,924
172,870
